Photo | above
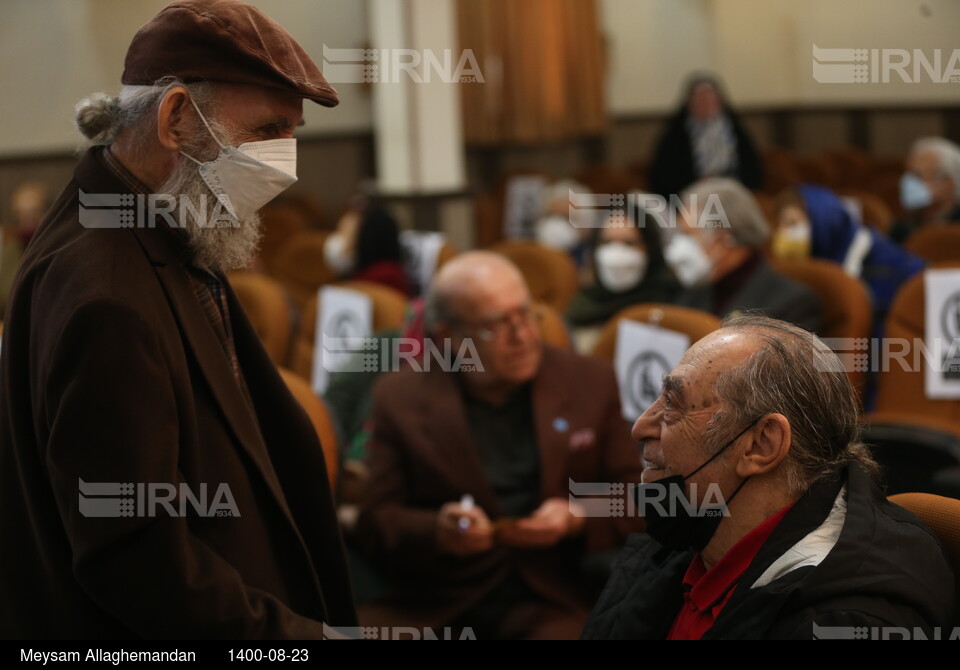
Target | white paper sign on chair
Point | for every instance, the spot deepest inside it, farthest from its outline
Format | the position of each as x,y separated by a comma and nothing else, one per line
644,355
942,337
344,341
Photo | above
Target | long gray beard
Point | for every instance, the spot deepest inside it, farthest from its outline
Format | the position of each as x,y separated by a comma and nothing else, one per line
219,245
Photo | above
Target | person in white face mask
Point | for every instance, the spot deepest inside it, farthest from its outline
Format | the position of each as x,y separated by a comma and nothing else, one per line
716,255
627,268
561,226
129,369
930,188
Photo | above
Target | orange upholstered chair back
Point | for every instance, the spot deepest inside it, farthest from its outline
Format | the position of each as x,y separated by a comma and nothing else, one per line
901,391
268,308
942,515
553,329
936,244
321,420
447,253
389,311
691,322
551,275
280,219
876,213
847,309
299,266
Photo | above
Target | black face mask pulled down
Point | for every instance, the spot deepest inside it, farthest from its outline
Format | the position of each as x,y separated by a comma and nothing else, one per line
675,521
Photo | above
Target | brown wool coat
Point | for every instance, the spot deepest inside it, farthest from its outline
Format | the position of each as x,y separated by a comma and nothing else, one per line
111,372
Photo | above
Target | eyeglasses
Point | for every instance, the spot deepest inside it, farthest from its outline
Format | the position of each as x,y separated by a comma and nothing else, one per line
500,327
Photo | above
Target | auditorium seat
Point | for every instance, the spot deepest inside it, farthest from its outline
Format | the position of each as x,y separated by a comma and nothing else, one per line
490,208
780,170
299,266
817,169
942,516
915,453
447,253
900,390
691,322
553,328
269,310
280,220
321,420
875,212
936,244
389,311
851,165
551,275
847,308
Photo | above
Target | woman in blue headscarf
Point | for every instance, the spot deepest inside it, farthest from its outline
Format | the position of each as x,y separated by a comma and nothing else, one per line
813,221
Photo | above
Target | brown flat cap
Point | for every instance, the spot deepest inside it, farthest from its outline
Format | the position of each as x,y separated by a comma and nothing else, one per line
227,41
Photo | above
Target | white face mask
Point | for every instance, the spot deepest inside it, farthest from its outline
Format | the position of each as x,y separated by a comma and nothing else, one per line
620,267
247,177
689,262
556,232
335,255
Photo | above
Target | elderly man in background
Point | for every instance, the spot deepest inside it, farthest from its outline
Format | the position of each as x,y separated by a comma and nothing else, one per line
762,413
930,188
717,257
468,509
132,381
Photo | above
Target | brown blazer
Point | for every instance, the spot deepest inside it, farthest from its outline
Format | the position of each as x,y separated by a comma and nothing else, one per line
422,456
111,372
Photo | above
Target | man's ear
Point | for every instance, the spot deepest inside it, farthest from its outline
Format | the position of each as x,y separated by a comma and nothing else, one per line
770,444
172,118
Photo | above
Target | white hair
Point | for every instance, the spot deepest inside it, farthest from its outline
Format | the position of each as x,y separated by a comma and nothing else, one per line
748,226
948,157
101,117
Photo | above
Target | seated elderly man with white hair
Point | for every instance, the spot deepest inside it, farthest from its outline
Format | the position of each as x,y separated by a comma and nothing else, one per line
930,188
468,508
764,520
716,255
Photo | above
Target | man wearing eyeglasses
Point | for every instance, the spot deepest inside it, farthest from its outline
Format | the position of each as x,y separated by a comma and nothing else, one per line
469,510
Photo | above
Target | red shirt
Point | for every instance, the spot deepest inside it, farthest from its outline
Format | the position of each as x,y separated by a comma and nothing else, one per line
387,273
705,593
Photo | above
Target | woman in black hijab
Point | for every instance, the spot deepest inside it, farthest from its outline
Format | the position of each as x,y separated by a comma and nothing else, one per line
704,139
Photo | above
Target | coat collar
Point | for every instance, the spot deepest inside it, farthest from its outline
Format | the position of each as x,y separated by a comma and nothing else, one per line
168,252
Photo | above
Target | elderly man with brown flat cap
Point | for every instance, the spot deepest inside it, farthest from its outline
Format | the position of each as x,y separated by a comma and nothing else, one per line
156,476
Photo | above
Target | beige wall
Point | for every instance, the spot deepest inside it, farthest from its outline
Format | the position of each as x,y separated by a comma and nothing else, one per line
54,52
763,49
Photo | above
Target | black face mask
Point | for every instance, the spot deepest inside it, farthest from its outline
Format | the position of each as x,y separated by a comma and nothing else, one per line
687,527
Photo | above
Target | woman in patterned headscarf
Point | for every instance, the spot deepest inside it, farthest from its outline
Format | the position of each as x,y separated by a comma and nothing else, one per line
704,139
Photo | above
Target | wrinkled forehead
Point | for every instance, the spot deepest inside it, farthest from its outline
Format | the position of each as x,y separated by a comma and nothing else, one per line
492,289
716,353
